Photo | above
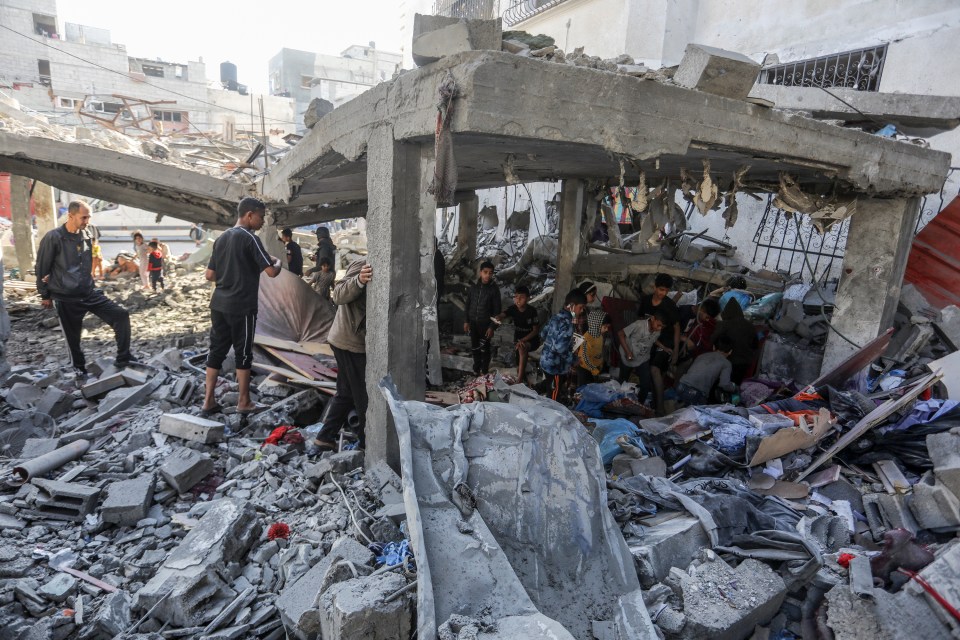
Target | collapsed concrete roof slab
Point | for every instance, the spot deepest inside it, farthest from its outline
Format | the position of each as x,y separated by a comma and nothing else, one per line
907,111
552,121
118,177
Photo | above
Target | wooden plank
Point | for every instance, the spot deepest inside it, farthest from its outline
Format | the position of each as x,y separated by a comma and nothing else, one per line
307,348
304,365
443,398
872,419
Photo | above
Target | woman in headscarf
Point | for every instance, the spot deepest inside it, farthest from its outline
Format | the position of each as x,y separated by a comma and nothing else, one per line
590,356
742,336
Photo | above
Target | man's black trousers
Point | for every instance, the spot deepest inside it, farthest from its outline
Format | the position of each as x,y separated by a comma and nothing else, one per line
351,394
71,313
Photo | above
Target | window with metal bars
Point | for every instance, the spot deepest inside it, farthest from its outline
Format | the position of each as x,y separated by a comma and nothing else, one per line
860,69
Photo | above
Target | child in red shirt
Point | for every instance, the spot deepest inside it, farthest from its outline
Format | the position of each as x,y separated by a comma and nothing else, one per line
155,265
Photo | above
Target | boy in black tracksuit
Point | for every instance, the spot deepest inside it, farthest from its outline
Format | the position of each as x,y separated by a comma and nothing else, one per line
483,303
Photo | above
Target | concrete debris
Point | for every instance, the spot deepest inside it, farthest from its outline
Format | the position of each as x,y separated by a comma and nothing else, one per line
436,37
722,73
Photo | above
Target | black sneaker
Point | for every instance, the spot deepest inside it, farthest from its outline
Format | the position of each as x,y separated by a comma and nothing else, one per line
123,364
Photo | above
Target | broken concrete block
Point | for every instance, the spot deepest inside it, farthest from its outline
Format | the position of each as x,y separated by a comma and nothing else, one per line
711,70
435,37
170,359
944,449
36,447
721,602
102,386
339,463
64,500
933,505
944,574
185,468
192,585
358,608
297,603
133,378
628,466
674,543
113,616
23,395
188,427
55,402
896,513
317,108
58,588
128,500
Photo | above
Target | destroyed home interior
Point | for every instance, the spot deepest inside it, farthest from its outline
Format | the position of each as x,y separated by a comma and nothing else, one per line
546,333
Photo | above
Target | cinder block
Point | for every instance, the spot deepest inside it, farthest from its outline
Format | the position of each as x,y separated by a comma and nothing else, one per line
297,603
712,70
944,451
102,386
357,608
934,506
674,543
188,427
128,500
64,500
185,468
192,585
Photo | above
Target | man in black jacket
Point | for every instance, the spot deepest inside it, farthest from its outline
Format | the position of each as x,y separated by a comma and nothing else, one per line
65,282
483,303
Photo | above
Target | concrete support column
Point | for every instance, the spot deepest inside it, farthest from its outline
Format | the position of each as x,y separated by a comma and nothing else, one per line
269,235
22,227
44,208
881,232
570,245
396,202
467,228
428,277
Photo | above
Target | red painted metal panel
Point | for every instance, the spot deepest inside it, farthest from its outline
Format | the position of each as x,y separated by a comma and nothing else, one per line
934,263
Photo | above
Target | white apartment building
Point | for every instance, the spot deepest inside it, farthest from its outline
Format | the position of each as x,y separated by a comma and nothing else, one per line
304,75
75,74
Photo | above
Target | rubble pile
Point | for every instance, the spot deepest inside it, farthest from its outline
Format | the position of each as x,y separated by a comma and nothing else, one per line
124,513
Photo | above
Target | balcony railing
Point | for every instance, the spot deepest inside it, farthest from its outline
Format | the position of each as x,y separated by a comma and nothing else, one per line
526,9
516,11
860,69
470,9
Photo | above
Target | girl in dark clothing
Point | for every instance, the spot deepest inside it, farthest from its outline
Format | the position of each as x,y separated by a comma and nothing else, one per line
742,336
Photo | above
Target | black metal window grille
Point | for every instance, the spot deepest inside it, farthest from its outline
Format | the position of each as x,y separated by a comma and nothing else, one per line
525,9
791,244
860,69
470,9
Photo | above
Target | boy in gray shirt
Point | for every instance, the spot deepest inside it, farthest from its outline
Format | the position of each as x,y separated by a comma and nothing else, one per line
709,369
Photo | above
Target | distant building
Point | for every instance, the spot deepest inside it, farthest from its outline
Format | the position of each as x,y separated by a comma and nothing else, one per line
303,75
75,74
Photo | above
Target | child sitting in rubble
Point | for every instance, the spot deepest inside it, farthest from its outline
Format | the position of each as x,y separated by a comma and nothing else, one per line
322,280
526,328
709,370
590,358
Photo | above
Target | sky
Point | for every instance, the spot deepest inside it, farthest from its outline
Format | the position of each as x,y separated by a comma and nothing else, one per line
245,32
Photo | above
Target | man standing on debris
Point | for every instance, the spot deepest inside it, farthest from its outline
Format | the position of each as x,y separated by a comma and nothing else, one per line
294,253
483,304
236,263
348,339
65,282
